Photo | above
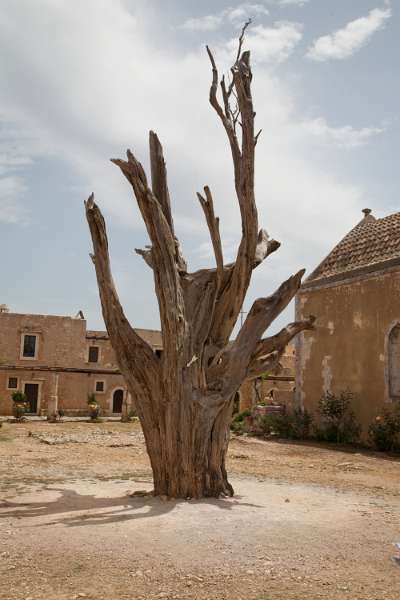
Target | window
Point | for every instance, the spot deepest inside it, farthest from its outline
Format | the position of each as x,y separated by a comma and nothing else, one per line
158,353
12,383
100,386
93,354
29,345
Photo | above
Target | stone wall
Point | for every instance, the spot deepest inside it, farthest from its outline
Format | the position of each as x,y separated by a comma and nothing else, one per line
348,350
61,366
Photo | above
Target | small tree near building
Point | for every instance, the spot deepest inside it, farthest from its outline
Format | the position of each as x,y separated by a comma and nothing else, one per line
184,398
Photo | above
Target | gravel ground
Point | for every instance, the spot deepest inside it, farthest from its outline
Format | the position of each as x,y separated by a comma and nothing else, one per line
306,522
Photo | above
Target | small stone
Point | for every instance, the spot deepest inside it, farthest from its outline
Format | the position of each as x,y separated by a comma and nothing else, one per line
287,500
250,572
140,493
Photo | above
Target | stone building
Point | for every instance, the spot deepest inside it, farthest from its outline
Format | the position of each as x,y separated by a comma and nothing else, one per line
275,388
57,362
354,293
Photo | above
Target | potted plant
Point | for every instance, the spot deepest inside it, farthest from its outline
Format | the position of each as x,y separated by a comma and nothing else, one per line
94,408
20,405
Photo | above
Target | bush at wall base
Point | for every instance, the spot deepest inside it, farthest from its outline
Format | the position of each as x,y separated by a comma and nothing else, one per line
94,408
20,405
384,432
337,422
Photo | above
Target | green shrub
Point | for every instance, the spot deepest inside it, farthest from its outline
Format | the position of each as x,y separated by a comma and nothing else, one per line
275,424
94,407
301,424
19,397
292,424
20,405
91,399
384,432
239,421
337,422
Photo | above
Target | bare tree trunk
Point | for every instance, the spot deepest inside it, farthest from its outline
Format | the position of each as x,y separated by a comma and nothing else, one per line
185,397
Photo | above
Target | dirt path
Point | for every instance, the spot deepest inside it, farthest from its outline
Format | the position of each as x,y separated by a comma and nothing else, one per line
306,522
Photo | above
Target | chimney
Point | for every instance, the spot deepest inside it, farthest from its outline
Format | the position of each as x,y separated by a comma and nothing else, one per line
368,217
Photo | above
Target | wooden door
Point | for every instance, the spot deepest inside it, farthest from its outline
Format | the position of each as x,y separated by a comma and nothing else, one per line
32,395
118,398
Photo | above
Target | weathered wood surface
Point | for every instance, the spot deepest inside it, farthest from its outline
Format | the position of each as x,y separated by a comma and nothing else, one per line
184,398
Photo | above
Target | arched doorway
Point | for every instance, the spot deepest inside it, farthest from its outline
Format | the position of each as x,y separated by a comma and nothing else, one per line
394,362
117,400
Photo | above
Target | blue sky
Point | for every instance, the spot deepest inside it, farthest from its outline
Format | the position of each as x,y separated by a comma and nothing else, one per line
80,86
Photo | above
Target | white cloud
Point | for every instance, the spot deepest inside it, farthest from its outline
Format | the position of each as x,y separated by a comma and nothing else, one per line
345,137
206,23
345,42
16,147
292,2
106,86
268,44
233,15
12,190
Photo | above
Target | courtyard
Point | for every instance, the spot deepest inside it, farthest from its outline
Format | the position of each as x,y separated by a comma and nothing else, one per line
306,521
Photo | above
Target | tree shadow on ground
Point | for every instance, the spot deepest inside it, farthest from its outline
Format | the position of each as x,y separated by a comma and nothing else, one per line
103,510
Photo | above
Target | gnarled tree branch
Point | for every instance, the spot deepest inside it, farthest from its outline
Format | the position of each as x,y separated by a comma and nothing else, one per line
264,247
146,255
264,365
230,366
232,295
207,205
281,339
129,346
159,185
163,252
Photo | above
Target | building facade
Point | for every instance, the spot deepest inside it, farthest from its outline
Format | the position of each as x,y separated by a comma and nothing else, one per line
276,387
354,293
58,363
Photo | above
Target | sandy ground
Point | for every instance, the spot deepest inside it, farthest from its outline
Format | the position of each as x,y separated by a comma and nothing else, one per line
306,521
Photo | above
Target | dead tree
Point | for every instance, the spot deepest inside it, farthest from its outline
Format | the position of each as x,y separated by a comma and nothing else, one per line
184,397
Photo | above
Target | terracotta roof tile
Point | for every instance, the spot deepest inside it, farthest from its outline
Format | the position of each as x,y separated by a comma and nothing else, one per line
371,242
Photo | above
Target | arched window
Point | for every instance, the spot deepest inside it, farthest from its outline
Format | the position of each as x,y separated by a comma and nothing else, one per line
394,363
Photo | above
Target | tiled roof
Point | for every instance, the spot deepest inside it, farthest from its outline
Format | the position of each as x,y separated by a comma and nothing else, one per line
371,243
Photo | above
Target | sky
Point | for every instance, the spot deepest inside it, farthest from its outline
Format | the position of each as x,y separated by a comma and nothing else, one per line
82,82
